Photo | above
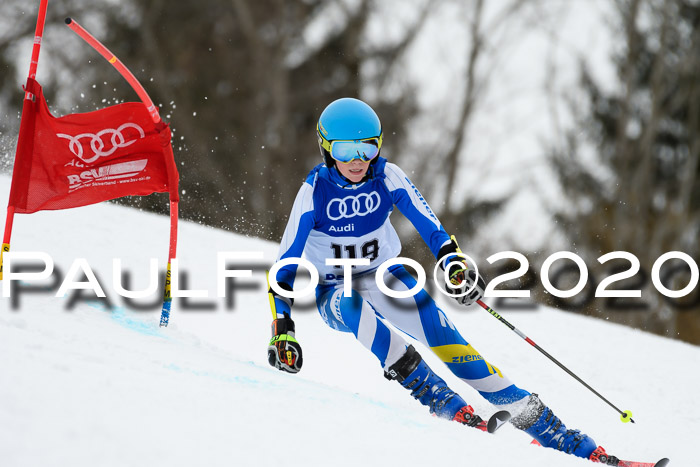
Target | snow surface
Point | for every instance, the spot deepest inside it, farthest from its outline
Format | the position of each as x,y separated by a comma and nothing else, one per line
92,387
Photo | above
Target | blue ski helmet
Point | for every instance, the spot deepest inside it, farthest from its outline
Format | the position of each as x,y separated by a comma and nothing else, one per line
349,129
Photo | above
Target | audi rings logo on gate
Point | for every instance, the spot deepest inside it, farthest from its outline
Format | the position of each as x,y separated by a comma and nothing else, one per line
99,148
351,206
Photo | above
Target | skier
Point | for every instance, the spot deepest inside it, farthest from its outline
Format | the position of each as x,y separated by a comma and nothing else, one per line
342,211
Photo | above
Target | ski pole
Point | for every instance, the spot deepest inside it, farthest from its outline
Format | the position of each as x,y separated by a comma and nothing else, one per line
625,416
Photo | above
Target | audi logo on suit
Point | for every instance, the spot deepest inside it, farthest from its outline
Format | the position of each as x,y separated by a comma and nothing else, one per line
351,206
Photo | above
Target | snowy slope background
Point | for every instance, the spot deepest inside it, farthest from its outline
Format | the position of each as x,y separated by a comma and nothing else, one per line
92,387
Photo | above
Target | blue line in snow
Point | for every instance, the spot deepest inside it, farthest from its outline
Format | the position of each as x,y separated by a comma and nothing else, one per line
145,325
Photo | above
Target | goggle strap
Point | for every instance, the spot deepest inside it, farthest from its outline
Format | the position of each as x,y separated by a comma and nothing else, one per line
325,144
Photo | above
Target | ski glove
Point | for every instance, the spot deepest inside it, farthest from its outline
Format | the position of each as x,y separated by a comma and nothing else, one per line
283,351
463,279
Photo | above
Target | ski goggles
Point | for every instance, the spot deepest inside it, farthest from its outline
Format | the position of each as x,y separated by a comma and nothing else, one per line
346,151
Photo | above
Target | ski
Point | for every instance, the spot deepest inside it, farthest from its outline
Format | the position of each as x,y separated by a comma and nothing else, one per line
662,463
497,420
612,460
603,458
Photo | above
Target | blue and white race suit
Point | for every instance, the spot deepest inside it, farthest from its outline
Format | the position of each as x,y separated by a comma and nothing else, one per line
333,218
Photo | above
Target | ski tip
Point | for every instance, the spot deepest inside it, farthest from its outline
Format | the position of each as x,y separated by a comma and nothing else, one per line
497,420
662,463
69,20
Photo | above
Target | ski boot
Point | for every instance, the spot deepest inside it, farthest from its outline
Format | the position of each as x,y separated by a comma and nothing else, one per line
539,421
429,389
